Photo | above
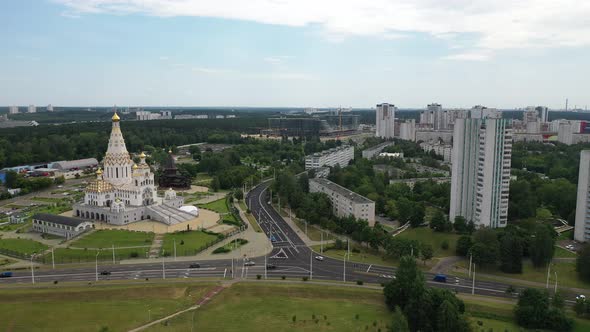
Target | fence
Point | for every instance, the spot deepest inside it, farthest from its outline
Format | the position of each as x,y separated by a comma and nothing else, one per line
14,254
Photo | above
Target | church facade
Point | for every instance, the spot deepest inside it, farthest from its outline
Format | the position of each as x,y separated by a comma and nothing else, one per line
125,192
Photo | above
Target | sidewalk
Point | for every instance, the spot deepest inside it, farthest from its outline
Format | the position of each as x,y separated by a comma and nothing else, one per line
308,242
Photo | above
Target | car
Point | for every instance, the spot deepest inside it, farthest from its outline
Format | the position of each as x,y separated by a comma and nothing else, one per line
105,273
6,274
249,263
319,258
581,297
194,266
440,278
387,276
271,266
273,239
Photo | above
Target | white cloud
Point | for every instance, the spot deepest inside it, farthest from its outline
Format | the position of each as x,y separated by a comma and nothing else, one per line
470,56
207,70
277,59
496,24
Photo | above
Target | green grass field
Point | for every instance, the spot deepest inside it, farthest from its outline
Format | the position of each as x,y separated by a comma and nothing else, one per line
562,253
428,236
90,308
270,307
187,243
120,238
218,206
365,256
22,246
67,256
250,217
313,233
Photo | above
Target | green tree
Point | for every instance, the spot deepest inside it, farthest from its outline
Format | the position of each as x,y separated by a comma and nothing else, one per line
534,310
511,250
438,222
583,263
460,225
447,317
408,283
417,215
426,252
463,246
11,179
399,323
486,247
542,245
215,185
239,194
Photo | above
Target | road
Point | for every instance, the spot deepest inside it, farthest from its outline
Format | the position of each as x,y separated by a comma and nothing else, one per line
289,257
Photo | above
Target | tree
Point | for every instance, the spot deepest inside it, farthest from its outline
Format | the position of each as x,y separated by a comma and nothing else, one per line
408,283
439,223
11,179
417,216
447,317
463,246
399,323
511,250
486,248
239,194
542,245
427,252
215,185
534,310
583,263
460,225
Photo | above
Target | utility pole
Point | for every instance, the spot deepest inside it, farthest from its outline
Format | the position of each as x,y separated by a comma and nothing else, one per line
52,259
321,242
113,253
348,250
548,273
32,269
96,265
555,290
163,266
265,266
470,262
473,282
310,264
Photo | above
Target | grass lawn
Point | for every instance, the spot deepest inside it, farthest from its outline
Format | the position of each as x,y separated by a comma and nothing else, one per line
270,307
6,261
366,255
13,227
116,307
250,217
120,238
218,206
22,246
567,235
187,243
67,256
428,236
313,232
566,274
562,253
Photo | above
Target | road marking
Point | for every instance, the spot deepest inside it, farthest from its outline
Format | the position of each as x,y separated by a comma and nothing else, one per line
224,273
369,267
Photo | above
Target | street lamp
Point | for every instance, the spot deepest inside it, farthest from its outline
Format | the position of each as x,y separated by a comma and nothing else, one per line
32,269
96,265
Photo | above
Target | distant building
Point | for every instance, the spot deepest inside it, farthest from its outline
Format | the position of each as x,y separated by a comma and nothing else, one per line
13,110
49,108
345,203
341,156
190,116
481,171
582,228
18,218
391,155
407,130
482,112
441,149
543,113
66,227
146,115
70,165
385,120
370,153
412,181
32,109
220,117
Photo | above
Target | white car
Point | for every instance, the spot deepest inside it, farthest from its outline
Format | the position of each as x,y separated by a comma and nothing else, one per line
319,258
581,297
387,276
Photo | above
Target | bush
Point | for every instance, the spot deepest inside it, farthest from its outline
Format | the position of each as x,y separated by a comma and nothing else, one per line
359,282
221,250
444,245
305,278
356,251
258,276
133,254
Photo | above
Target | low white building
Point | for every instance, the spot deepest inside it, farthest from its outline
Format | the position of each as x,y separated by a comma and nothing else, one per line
341,156
66,227
345,203
443,150
370,153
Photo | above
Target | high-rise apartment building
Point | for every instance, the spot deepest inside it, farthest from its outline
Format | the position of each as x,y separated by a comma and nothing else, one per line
480,181
385,120
582,228
49,108
13,110
32,109
482,112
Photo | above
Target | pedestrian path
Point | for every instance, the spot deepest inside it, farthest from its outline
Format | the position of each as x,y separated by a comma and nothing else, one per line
156,245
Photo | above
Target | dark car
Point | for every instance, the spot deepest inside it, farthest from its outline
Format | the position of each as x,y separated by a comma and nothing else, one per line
440,278
6,274
105,273
194,266
271,266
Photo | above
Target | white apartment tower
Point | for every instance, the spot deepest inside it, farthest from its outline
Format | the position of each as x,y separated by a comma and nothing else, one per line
385,120
480,180
32,109
582,228
13,110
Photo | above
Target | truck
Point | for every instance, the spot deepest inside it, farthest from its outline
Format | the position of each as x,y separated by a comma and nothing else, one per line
440,278
6,274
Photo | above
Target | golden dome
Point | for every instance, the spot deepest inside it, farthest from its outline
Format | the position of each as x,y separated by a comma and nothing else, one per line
99,171
115,117
142,155
135,166
99,186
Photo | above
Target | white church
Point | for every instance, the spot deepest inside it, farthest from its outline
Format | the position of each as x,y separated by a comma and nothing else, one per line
125,192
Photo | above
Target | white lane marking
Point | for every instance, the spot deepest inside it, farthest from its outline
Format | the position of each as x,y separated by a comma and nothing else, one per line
369,267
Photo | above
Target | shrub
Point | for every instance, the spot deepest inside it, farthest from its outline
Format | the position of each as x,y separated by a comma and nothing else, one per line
133,254
444,245
356,251
305,278
221,250
258,276
283,277
359,282
55,282
294,318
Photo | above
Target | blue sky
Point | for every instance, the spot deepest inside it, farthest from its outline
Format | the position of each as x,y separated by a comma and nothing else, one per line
321,53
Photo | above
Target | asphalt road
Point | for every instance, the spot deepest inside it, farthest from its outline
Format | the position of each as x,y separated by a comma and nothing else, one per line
290,257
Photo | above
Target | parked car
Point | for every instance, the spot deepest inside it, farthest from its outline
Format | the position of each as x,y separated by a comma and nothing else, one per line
440,278
194,266
6,274
271,266
319,258
249,263
105,273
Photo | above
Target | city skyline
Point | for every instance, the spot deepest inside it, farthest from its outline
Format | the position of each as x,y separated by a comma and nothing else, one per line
293,54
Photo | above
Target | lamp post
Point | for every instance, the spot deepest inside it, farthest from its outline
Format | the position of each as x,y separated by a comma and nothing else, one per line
548,274
32,269
96,265
52,259
470,262
310,264
555,290
473,282
163,265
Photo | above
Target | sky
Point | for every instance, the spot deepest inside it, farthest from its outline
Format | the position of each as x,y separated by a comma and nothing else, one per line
295,53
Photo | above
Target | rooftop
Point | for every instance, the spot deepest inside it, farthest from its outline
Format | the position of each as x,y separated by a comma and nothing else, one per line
342,191
56,219
329,151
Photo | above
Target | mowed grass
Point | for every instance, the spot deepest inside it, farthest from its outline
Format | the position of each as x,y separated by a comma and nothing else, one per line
271,307
250,217
187,243
427,236
313,233
218,206
90,308
22,246
365,255
563,253
120,238
67,256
